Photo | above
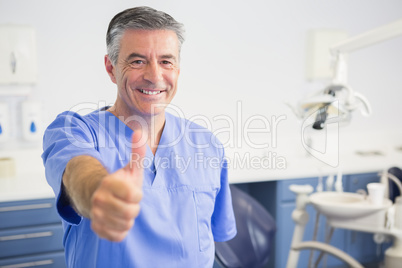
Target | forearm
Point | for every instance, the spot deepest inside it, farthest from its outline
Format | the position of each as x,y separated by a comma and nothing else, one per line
81,178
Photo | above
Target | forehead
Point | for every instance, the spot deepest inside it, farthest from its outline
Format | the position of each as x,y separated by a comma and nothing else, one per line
149,41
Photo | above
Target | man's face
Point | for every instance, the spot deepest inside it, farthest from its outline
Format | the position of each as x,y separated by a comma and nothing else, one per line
146,71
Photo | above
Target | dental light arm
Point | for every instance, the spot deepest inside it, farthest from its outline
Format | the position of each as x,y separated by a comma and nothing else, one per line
366,39
339,90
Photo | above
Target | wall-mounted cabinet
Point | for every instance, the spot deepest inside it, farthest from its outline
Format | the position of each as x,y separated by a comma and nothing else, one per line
18,64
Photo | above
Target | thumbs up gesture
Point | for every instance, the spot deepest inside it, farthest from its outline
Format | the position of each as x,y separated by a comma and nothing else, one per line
116,202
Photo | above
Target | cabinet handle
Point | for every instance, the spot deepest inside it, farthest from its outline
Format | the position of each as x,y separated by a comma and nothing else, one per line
25,236
26,207
28,264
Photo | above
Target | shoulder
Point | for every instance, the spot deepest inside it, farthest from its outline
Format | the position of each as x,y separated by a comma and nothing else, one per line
70,118
73,126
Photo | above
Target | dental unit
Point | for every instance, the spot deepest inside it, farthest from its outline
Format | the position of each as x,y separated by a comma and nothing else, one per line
351,211
346,210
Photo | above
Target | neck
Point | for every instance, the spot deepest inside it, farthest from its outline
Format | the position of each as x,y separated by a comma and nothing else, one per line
152,125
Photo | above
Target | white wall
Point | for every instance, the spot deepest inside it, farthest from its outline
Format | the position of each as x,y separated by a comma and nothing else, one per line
249,51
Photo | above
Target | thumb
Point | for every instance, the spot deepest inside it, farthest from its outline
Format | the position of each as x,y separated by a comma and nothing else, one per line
138,149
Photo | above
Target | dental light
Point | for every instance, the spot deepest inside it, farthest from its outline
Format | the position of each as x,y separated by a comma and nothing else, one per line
339,98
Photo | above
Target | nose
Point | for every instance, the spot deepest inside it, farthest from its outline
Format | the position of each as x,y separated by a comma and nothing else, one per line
153,73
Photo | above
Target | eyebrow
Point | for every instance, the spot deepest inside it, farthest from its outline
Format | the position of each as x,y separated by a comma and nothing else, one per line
137,55
168,56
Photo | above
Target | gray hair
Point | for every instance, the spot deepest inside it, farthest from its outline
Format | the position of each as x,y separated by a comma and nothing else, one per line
139,18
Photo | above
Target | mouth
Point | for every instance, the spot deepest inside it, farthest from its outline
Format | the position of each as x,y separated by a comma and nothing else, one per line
150,92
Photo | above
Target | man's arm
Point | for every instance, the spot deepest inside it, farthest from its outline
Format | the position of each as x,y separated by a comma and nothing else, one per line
81,178
111,201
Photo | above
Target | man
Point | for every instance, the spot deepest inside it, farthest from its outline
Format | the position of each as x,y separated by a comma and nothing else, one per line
135,185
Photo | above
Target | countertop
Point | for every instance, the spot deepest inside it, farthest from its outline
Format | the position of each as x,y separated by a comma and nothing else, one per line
348,153
27,187
308,166
29,181
360,153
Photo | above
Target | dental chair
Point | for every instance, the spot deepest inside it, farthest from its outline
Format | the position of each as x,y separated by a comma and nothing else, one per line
393,189
256,228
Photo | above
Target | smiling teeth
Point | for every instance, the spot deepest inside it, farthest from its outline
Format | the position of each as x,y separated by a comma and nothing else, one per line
150,92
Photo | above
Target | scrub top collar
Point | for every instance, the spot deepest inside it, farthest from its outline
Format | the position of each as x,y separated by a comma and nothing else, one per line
167,139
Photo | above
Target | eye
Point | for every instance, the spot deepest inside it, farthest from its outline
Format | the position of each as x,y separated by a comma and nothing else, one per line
167,63
137,62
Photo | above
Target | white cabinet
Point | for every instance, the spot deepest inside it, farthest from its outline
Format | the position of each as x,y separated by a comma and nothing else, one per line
18,63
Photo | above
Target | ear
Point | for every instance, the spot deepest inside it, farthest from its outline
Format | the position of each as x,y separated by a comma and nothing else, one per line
110,69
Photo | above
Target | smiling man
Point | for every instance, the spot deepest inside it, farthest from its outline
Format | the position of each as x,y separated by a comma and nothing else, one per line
120,206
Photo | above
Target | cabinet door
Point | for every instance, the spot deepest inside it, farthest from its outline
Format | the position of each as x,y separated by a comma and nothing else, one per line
31,240
285,234
27,213
286,205
360,181
51,260
360,245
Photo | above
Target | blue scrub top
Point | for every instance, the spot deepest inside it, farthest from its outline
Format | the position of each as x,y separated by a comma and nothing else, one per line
186,203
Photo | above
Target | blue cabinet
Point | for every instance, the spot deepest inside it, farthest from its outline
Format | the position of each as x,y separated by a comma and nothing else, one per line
276,197
356,241
31,234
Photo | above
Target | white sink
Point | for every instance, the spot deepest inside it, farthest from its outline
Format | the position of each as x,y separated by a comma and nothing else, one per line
345,206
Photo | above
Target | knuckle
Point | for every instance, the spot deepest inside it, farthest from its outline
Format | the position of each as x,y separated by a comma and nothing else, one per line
109,182
127,191
136,210
96,228
97,198
94,213
128,214
132,193
136,195
108,234
119,237
139,195
128,225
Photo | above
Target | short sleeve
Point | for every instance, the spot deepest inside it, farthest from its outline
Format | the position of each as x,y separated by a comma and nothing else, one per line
223,220
68,136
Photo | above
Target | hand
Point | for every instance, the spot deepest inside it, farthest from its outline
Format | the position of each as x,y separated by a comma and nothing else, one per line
116,202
